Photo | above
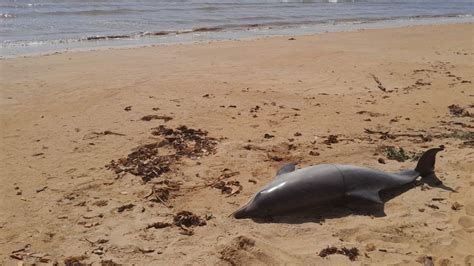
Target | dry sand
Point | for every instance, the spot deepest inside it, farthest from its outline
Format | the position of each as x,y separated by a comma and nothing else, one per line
59,201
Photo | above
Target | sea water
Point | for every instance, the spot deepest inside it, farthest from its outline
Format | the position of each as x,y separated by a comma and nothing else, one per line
29,26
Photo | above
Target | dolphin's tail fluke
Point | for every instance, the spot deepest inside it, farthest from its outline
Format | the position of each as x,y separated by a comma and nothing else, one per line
426,163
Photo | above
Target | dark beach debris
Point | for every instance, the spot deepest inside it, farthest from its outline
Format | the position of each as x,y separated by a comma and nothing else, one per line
456,206
392,153
158,225
432,206
381,160
371,114
457,110
207,29
388,135
227,173
351,253
268,136
291,39
100,203
255,109
186,231
97,38
25,253
153,117
332,139
148,163
146,250
98,251
108,263
108,132
95,134
37,154
160,195
456,123
125,207
163,193
468,143
75,260
127,108
423,70
230,188
457,134
314,153
97,242
327,251
426,260
160,33
188,219
297,134
420,82
275,158
41,189
379,83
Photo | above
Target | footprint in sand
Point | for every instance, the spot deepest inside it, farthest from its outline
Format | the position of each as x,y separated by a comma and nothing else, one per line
469,260
466,222
470,208
242,250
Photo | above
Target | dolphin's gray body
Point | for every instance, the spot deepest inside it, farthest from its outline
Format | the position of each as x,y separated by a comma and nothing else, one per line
324,184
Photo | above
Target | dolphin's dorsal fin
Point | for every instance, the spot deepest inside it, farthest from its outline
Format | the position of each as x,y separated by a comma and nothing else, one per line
371,195
287,168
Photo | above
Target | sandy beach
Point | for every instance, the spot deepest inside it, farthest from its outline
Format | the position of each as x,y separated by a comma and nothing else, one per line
342,97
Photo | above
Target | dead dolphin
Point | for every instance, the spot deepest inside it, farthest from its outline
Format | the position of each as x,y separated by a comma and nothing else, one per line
324,184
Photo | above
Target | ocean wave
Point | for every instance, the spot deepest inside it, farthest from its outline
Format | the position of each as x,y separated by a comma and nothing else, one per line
92,12
235,28
7,15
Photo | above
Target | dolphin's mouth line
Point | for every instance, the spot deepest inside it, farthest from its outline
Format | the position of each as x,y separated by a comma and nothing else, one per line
241,208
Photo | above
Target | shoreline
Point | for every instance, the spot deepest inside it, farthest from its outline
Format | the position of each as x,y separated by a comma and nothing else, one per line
69,121
201,35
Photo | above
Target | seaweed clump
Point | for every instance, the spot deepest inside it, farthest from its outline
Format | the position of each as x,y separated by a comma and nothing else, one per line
351,253
187,142
457,110
188,219
400,154
145,162
148,162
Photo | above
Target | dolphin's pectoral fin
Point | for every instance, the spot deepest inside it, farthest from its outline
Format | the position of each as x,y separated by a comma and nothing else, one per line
287,168
371,195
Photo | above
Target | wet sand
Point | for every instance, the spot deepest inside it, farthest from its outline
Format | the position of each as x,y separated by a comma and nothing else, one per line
331,98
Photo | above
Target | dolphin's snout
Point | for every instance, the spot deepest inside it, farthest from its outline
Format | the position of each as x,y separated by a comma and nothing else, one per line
242,212
246,211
